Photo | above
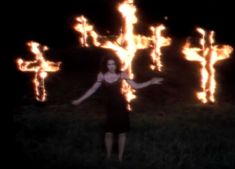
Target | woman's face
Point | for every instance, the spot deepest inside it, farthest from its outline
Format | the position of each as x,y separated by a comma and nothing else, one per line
111,65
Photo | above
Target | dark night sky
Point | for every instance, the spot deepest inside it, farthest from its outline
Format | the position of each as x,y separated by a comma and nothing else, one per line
50,22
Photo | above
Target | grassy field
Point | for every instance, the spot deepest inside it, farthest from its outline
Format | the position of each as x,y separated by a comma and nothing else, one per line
169,130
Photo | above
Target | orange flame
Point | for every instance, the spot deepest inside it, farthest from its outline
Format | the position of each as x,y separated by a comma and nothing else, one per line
126,44
40,66
159,42
86,29
207,54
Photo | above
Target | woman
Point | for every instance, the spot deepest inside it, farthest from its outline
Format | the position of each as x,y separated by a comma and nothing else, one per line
117,115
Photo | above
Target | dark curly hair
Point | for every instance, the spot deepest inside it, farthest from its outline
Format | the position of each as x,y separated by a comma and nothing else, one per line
104,61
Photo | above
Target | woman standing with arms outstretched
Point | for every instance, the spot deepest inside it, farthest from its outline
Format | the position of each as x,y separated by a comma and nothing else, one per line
117,114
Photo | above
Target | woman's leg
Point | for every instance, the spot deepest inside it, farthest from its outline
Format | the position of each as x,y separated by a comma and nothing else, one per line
121,145
108,143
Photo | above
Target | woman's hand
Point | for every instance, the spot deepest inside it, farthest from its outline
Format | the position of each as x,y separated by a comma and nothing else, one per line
156,80
75,102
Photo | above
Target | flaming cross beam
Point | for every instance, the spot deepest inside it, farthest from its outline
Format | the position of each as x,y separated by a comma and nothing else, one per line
208,54
159,41
40,67
127,43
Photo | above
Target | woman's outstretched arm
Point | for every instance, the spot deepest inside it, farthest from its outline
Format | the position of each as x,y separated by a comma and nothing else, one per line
135,85
90,91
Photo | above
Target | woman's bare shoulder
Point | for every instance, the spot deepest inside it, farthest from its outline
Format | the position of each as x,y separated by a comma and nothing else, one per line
100,77
124,75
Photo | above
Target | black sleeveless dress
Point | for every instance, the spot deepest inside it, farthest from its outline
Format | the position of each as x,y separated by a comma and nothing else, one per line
117,114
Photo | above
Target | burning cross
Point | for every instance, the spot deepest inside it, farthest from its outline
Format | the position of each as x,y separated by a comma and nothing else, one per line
207,55
40,66
127,43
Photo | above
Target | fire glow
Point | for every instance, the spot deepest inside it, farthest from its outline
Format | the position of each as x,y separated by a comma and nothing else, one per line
208,54
40,67
127,43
